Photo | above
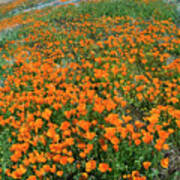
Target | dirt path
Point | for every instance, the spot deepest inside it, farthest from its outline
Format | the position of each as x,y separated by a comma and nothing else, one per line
5,1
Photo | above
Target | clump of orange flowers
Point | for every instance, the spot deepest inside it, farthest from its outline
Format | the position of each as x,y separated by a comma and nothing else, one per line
90,165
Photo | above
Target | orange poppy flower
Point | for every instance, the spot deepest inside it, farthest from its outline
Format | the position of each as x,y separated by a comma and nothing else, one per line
38,124
146,164
147,138
70,160
178,123
59,173
82,154
53,169
46,168
64,125
64,160
51,132
31,178
139,96
84,176
132,60
90,135
114,140
46,114
137,142
85,125
135,173
103,167
126,118
165,162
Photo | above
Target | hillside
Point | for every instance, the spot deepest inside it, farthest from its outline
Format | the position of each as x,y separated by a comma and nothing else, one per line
90,90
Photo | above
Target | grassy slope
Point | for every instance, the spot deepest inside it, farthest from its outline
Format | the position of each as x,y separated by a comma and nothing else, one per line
64,18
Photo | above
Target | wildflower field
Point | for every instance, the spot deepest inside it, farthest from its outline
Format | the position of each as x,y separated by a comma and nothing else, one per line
90,91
